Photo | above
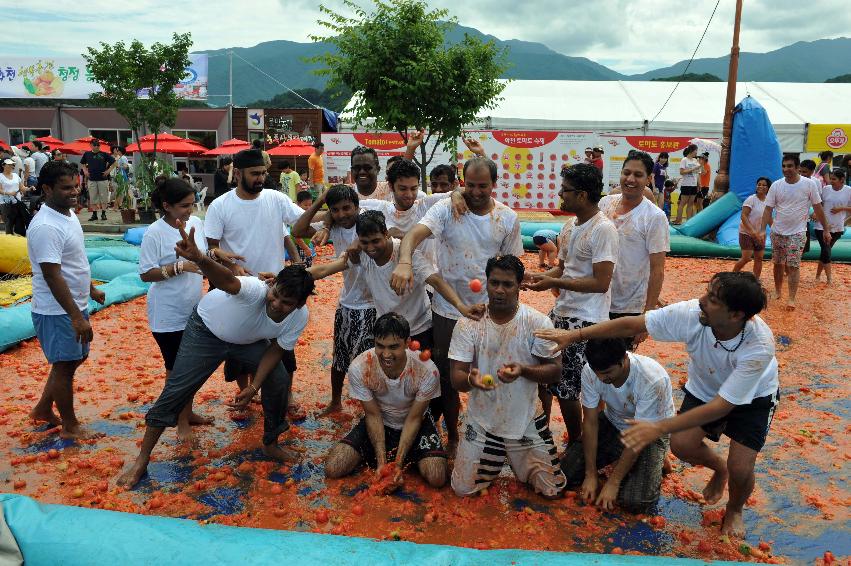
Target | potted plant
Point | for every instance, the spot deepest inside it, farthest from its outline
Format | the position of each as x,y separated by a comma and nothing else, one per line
145,183
122,197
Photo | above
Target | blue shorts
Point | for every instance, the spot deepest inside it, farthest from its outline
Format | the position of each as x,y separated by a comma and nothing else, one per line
58,339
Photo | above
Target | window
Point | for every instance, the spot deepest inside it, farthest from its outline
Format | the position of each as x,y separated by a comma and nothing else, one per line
113,137
17,136
207,138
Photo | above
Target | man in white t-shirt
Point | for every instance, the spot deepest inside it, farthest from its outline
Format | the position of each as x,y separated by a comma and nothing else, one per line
376,254
355,314
584,274
836,200
62,286
792,197
643,240
463,246
30,177
244,319
40,157
619,387
394,386
732,385
500,363
249,221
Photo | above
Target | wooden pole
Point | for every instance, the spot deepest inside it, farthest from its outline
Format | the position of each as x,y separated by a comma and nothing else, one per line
722,179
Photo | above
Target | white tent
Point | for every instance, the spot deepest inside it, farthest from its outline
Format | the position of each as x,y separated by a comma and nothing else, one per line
694,110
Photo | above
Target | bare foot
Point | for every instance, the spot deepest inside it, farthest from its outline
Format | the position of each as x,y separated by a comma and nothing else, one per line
714,489
48,417
132,476
776,295
331,409
667,467
196,419
78,432
733,524
280,453
184,431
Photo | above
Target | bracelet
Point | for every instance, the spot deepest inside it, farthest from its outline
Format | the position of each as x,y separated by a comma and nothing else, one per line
164,271
178,267
211,253
404,263
251,385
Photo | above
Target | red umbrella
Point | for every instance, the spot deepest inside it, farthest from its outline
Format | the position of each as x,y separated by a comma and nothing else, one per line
167,143
4,145
292,148
51,141
229,147
80,145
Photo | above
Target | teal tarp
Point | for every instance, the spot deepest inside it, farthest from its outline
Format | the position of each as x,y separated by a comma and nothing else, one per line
712,216
75,536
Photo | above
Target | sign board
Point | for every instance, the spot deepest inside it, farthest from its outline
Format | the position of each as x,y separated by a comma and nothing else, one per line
829,137
69,78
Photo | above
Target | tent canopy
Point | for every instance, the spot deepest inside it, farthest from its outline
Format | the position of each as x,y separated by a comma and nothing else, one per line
631,107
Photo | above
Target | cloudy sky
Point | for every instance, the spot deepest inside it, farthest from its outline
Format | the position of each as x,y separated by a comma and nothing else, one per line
629,36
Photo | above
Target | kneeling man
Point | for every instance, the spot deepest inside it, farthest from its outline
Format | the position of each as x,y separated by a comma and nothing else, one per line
394,387
504,416
619,387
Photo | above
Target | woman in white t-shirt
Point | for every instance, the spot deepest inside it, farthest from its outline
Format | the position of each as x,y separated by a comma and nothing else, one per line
11,187
689,170
836,199
176,285
753,247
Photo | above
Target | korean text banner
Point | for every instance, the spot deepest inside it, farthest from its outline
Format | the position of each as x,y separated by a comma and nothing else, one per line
829,137
69,78
339,146
618,147
530,163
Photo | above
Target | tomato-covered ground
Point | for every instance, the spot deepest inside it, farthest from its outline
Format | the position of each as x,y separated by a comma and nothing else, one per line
799,510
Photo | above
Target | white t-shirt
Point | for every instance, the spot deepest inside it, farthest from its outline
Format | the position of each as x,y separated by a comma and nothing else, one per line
419,381
9,188
39,158
644,396
689,179
791,204
55,238
594,241
355,292
755,217
739,376
414,305
252,228
170,302
508,409
831,198
465,245
563,243
641,232
242,318
29,166
404,220
382,192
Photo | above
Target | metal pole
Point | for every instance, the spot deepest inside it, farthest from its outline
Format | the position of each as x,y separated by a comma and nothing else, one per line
722,180
230,94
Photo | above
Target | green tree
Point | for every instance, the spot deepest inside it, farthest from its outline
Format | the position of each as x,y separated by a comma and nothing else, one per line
405,75
840,79
692,78
335,99
124,72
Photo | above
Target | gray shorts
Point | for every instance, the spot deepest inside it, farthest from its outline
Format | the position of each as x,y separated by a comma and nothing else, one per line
98,192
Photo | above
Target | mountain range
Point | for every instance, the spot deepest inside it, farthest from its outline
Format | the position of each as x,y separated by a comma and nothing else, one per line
260,72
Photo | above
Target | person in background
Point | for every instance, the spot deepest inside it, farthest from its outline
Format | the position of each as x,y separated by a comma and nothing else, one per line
11,189
223,180
289,180
660,175
316,168
547,243
120,173
667,193
97,165
689,171
597,157
752,245
836,198
30,178
40,156
821,173
589,157
57,155
806,169
303,183
443,179
304,245
702,198
846,165
62,286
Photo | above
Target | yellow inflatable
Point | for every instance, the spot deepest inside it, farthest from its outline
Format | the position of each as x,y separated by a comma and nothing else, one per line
13,255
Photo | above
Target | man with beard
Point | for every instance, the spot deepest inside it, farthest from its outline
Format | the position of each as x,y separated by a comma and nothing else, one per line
463,246
249,221
355,314
394,387
732,385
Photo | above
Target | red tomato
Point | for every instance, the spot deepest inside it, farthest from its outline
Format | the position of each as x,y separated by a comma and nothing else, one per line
425,355
357,510
414,345
53,453
277,489
19,484
617,550
155,503
322,516
764,546
475,285
704,547
828,557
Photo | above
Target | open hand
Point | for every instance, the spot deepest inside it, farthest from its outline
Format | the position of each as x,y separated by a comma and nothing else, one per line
473,312
509,372
640,434
474,146
537,282
608,495
475,380
320,238
415,139
563,338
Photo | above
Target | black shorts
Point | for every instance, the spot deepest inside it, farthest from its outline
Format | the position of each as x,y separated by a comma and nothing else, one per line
746,424
427,444
704,192
688,191
169,343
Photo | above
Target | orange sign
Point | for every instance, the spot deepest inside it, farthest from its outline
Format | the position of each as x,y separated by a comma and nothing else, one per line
383,141
657,144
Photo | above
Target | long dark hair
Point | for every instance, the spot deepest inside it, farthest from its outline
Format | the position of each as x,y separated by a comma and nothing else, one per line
170,190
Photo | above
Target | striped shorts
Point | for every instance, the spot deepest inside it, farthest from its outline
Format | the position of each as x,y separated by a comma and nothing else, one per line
533,459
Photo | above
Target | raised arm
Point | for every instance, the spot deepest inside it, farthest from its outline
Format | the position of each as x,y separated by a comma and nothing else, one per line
218,275
625,327
445,290
403,276
302,228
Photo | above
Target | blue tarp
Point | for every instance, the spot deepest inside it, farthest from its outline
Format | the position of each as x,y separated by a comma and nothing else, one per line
75,536
755,151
